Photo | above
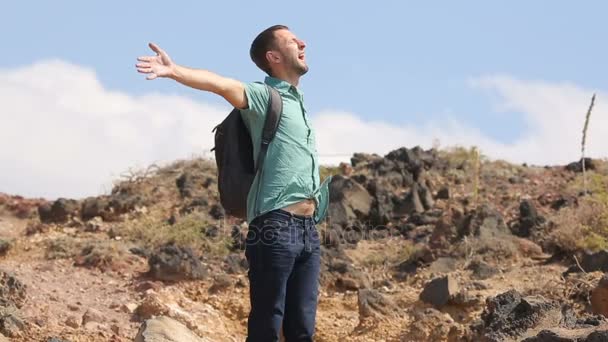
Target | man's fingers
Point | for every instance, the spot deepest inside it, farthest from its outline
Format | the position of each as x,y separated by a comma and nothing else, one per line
155,48
145,67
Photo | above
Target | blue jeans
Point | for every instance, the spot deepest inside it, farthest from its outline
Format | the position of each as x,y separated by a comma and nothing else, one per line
283,251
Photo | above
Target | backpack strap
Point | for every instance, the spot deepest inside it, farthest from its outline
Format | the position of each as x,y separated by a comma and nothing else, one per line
273,116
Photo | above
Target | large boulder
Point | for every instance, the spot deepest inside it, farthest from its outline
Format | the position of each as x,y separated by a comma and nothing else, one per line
165,329
511,316
200,318
349,201
439,291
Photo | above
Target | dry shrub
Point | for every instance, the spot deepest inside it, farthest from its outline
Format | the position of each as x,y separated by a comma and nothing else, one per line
105,255
62,248
489,249
459,157
584,227
189,231
389,253
601,166
325,171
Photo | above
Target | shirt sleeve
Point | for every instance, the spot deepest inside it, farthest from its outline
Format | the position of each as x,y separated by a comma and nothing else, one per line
257,103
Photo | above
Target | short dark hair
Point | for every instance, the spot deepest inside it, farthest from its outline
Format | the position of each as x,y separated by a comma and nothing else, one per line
264,42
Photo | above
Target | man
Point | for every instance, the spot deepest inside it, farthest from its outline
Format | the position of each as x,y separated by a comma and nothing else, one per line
283,208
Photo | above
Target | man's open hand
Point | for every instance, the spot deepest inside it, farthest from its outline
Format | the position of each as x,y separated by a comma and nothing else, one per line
156,66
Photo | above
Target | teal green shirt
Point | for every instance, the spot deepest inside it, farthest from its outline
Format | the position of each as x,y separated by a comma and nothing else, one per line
291,168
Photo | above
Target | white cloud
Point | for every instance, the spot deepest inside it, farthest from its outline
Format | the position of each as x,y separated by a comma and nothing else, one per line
553,114
64,135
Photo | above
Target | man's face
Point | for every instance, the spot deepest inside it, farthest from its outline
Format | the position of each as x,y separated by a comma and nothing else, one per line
292,51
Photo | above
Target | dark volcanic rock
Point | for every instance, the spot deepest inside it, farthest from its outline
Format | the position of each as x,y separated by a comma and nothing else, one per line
443,193
578,165
529,220
94,206
439,291
175,263
381,211
413,160
509,315
483,222
59,211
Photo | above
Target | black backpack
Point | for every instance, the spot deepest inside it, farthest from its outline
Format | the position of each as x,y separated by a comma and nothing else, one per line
234,155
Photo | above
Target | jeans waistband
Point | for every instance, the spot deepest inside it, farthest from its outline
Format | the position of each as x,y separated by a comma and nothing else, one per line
305,220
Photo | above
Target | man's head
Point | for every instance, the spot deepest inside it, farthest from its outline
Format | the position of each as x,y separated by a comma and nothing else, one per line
277,51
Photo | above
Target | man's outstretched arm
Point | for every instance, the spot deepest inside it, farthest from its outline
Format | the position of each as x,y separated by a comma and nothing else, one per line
161,65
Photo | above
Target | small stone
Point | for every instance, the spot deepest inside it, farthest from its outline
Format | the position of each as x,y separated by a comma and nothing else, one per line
92,315
128,308
95,326
373,303
72,322
5,246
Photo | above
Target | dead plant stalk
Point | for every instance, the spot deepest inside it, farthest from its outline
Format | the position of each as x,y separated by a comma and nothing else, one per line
583,143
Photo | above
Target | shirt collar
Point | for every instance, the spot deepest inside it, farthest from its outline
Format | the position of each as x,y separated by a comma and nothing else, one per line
282,86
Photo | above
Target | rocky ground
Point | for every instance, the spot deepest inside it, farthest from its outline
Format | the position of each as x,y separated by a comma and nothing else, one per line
437,245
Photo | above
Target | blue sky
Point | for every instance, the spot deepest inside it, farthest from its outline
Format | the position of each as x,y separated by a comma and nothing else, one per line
415,65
